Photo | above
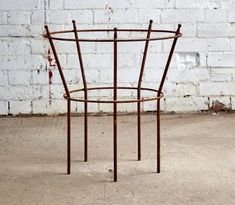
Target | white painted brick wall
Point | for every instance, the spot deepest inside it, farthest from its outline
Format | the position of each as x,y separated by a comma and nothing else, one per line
203,64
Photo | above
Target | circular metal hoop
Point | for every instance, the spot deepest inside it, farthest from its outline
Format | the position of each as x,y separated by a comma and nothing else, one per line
51,36
159,96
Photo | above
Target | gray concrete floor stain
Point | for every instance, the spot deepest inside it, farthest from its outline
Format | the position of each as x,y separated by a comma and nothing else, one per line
198,161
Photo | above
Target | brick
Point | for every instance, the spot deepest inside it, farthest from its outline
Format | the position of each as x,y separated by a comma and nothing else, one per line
182,15
227,4
38,17
20,30
59,17
223,70
19,47
71,48
221,77
82,16
84,4
112,4
3,48
158,60
144,15
151,3
39,46
3,18
39,77
185,89
187,45
203,59
212,4
35,62
12,62
71,76
217,88
188,30
45,107
55,91
186,104
128,75
106,75
3,108
216,30
231,15
91,61
153,74
218,44
169,88
186,74
114,16
221,59
191,4
92,76
128,60
20,93
151,106
16,17
128,47
20,107
19,77
56,4
20,5
232,44
2,78
216,15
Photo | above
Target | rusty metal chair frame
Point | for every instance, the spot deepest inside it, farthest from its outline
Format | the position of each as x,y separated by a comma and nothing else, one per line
159,94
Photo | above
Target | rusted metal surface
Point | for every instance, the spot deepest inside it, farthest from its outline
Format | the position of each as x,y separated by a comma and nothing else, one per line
158,94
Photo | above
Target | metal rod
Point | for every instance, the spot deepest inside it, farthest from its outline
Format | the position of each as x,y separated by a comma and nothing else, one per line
115,105
57,62
68,136
169,60
158,101
139,90
85,92
158,136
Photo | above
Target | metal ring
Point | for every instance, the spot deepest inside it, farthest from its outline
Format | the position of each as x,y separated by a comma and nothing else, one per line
159,95
112,40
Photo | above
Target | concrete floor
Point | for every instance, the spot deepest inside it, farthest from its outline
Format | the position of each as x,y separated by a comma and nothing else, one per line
198,161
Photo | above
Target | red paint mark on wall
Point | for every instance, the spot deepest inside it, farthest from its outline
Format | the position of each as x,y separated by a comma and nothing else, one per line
50,75
52,63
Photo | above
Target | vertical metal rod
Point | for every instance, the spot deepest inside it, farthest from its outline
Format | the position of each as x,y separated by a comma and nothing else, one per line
68,136
158,101
115,104
139,89
158,136
85,92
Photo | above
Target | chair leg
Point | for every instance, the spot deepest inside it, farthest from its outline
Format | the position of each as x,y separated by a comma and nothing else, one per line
85,133
158,136
68,136
115,140
139,131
